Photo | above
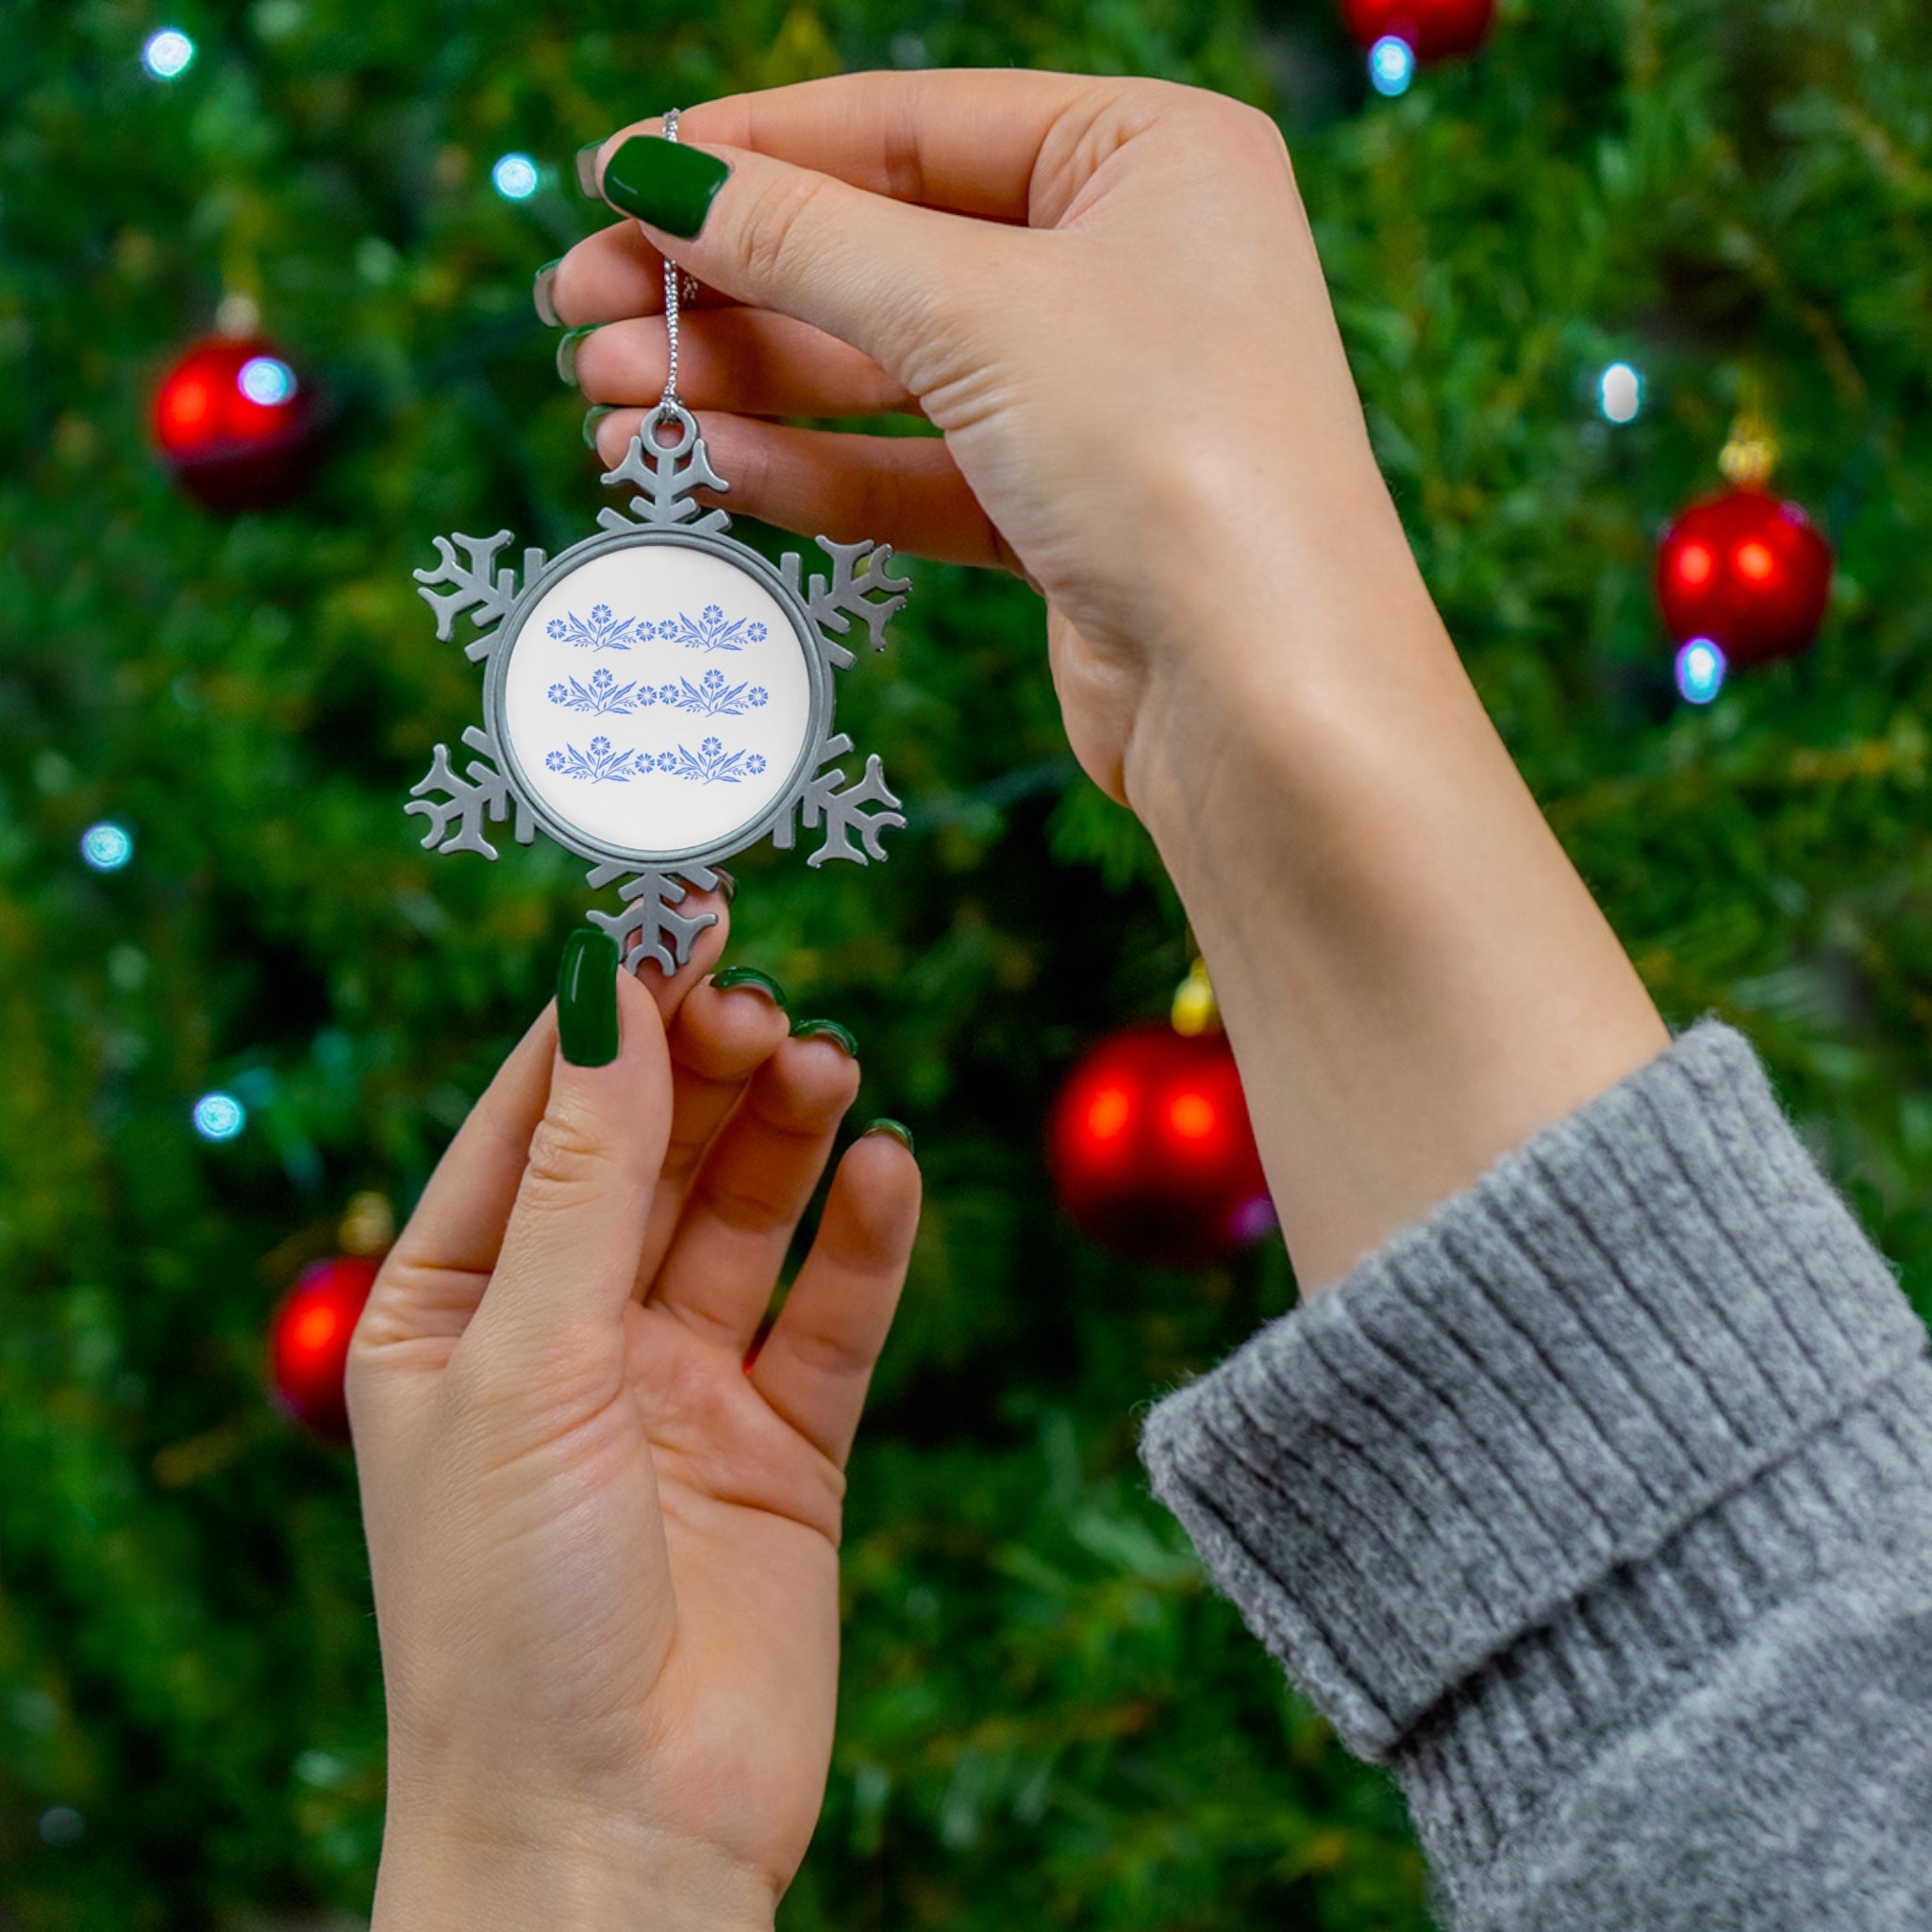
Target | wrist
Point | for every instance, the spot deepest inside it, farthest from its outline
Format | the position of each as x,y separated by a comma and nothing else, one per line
572,1874
1291,644
1414,975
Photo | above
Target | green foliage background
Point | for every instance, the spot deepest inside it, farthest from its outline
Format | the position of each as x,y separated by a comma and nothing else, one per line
1047,1720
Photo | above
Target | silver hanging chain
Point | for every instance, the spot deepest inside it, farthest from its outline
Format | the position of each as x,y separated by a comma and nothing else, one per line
676,281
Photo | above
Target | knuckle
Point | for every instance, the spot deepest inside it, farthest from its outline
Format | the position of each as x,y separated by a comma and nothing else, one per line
776,226
569,1156
835,1357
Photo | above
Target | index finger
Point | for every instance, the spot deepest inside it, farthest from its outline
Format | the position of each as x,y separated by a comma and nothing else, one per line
1007,146
969,140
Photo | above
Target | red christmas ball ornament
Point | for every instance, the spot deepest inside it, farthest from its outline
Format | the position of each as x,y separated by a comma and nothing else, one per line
1152,1151
1748,571
1431,29
235,424
309,1341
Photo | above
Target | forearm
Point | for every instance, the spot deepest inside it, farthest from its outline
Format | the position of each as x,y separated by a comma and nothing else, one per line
1414,978
567,1875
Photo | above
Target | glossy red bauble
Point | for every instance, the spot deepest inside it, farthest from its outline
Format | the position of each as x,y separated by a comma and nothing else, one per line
1434,30
309,1341
1747,570
235,423
1152,1151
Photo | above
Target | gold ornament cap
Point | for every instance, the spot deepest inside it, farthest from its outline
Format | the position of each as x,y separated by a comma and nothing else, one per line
368,1226
1195,1010
1751,454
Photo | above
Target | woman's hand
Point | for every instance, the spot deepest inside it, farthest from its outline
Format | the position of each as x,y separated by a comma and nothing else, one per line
1105,293
1129,349
605,1552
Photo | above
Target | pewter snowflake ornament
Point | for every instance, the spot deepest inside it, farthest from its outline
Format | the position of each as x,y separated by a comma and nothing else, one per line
659,697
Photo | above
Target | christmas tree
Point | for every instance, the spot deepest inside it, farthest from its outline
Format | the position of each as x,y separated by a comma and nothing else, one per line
210,898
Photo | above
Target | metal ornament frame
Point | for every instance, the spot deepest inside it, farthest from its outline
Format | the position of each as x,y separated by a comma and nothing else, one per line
493,788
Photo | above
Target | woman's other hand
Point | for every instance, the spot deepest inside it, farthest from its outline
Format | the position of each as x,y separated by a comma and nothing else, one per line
605,1549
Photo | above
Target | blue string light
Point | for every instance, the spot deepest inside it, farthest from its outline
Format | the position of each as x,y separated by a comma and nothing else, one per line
167,54
219,1116
1620,393
107,846
1392,65
515,177
1701,668
267,380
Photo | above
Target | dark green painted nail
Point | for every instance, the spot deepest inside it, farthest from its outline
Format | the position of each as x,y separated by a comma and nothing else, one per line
727,883
540,294
750,976
898,1129
587,168
664,182
825,1029
587,998
593,416
567,350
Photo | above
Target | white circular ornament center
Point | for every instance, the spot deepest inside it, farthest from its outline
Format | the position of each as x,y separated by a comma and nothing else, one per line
657,699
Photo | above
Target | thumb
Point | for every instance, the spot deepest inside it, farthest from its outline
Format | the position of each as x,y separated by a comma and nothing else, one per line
879,273
564,1275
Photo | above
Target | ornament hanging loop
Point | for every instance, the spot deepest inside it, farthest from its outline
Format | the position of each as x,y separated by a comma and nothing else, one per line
672,414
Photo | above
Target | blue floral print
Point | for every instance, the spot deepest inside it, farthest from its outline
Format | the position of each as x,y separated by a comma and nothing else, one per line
711,698
601,632
603,696
710,631
600,765
712,764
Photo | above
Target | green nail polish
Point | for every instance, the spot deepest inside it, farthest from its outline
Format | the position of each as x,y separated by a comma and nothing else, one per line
541,288
827,1029
587,998
750,976
593,416
664,182
587,168
567,350
897,1129
727,883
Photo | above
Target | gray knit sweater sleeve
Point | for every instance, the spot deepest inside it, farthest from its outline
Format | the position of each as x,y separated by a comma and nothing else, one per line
1599,1507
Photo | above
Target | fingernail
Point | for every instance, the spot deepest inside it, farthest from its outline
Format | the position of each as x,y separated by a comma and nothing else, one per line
825,1029
587,168
587,998
897,1129
727,884
750,976
540,294
664,182
567,350
593,416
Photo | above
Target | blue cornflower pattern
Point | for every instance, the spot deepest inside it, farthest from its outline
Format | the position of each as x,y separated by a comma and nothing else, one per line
712,764
711,698
603,696
599,631
711,630
600,764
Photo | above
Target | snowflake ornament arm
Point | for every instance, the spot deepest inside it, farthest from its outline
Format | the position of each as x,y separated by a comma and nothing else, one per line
482,589
841,807
467,802
860,586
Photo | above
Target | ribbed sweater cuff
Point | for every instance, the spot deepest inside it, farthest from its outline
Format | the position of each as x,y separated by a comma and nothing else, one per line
1654,1302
